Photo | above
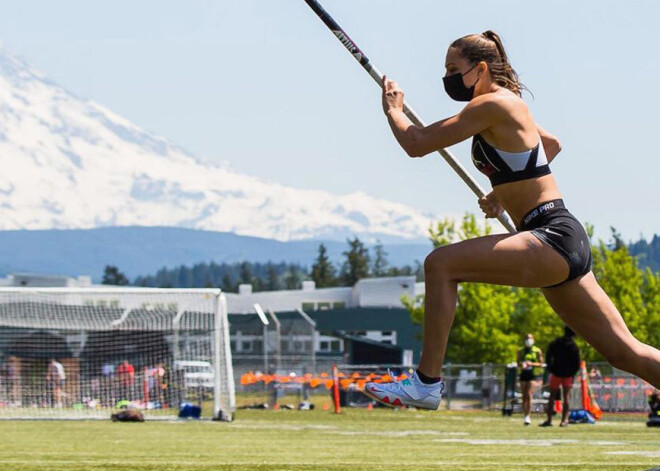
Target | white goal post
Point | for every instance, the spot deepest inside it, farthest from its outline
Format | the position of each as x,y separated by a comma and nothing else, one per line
87,352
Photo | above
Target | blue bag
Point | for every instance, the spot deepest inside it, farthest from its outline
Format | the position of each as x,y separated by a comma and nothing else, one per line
581,417
189,411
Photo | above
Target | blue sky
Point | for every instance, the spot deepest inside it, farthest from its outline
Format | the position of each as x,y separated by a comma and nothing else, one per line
263,85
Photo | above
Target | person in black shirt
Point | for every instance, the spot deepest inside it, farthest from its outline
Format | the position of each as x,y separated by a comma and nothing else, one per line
563,360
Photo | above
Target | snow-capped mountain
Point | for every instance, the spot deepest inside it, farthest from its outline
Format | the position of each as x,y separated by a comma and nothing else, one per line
71,163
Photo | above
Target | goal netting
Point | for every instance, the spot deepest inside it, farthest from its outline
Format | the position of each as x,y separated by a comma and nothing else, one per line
82,353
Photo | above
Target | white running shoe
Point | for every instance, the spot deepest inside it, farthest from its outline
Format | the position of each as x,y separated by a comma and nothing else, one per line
406,392
528,420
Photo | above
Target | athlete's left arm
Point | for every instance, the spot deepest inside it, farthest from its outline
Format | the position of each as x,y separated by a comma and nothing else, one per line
541,358
479,114
551,143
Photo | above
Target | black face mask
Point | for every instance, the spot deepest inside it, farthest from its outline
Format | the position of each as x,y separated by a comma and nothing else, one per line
455,87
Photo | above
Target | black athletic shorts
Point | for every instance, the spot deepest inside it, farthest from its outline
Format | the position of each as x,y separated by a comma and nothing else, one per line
528,375
556,227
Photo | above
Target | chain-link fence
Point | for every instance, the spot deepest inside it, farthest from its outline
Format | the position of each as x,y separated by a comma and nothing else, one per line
467,386
482,387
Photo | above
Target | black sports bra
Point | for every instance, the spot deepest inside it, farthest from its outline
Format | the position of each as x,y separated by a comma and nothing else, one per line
506,167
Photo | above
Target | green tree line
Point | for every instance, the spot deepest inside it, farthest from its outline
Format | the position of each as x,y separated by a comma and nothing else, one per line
359,261
648,253
491,321
227,276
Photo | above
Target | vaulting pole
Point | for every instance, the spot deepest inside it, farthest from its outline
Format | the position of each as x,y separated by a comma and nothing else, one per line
378,78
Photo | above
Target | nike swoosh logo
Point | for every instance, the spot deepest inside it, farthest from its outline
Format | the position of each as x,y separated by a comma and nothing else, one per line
550,231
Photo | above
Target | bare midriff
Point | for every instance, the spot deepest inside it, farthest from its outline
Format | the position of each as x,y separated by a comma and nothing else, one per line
519,198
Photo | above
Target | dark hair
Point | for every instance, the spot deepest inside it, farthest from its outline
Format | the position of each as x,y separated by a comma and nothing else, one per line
568,332
487,47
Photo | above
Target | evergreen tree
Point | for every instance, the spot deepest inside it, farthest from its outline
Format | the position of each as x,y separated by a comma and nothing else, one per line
258,284
140,281
647,253
419,271
323,272
272,280
245,273
227,284
405,270
356,265
293,278
184,278
380,264
262,276
617,241
112,276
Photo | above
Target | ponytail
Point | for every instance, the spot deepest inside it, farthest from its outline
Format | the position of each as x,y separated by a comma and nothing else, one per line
488,47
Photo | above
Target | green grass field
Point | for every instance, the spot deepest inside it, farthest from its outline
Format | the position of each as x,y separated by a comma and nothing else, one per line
319,440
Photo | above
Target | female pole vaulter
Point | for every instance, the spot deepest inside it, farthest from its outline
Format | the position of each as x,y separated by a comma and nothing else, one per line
550,251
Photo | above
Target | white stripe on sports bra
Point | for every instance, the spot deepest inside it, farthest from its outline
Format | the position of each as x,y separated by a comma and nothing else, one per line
517,161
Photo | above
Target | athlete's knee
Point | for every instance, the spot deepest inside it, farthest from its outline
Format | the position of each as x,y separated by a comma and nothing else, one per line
437,263
432,261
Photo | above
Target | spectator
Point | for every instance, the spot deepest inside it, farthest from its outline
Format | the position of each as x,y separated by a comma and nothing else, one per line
563,358
55,378
530,359
155,379
125,377
12,380
108,369
109,387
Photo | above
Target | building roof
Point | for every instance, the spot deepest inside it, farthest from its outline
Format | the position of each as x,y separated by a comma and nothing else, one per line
360,339
346,320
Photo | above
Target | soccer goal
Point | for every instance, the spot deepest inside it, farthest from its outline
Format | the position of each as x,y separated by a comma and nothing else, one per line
86,352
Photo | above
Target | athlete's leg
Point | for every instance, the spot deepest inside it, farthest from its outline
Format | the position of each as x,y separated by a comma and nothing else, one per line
550,406
527,390
534,386
515,260
519,260
565,407
584,306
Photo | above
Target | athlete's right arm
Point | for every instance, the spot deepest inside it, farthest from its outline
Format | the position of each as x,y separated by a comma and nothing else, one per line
551,143
479,114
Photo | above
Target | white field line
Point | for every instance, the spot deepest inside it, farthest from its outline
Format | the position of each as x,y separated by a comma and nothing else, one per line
526,442
283,426
647,454
187,464
398,433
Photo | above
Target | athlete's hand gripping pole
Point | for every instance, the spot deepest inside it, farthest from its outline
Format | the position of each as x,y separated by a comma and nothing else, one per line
378,77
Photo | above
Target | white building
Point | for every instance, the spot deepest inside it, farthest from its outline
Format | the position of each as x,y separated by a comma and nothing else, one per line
45,281
366,300
370,292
